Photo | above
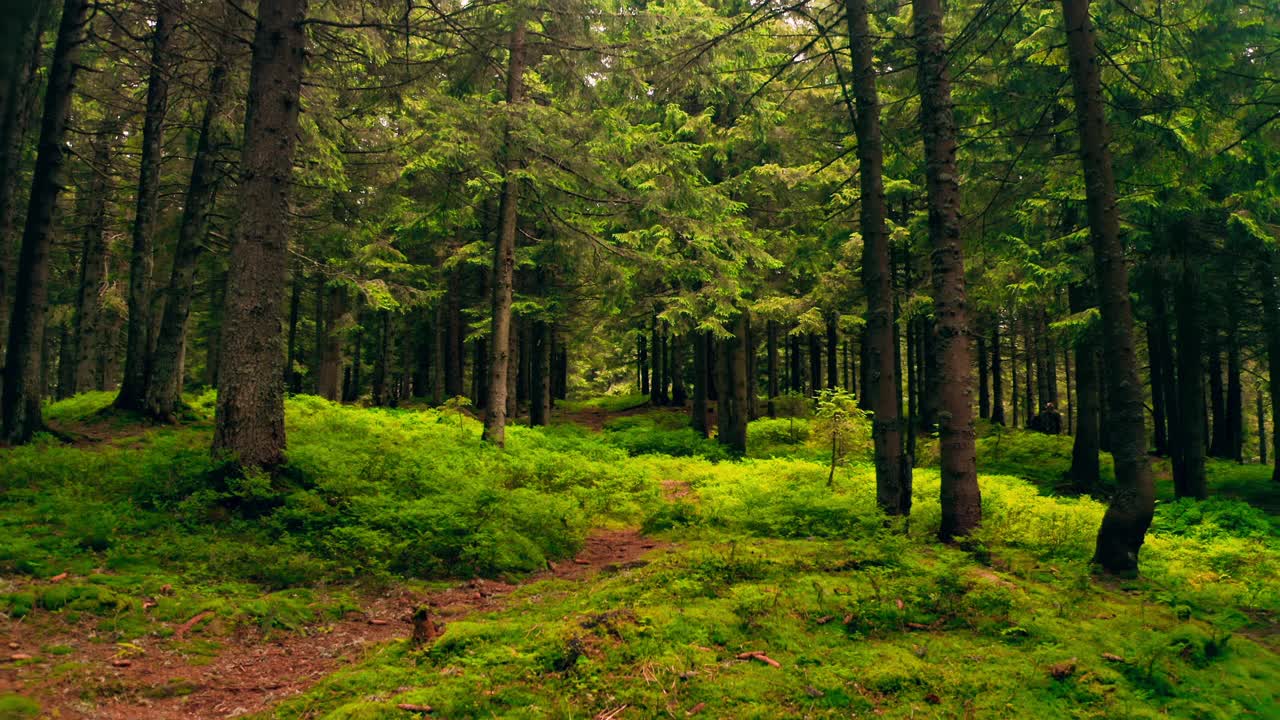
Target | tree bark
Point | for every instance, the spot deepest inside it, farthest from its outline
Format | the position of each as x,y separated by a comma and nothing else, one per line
698,414
137,358
20,407
815,364
164,381
329,370
997,376
24,23
880,386
642,360
1235,390
679,395
382,361
1218,440
797,372
1188,475
1267,270
961,499
495,413
984,386
1125,524
833,347
1084,473
540,402
249,426
93,265
732,410
771,351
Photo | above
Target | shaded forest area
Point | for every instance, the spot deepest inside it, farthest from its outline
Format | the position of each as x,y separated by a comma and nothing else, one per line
309,311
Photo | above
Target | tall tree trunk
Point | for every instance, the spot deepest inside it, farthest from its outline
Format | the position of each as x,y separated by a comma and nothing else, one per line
1030,409
329,370
382,361
1262,426
698,414
495,412
678,393
997,376
815,364
1013,371
1156,359
930,382
1084,473
1218,442
1235,391
1124,527
642,360
662,362
1268,270
771,342
513,378
20,407
540,403
137,358
1190,439
23,22
880,386
797,372
291,376
1066,374
250,413
655,364
984,386
164,382
732,409
833,347
93,267
961,499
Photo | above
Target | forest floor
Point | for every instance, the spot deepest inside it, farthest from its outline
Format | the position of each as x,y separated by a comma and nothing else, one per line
612,566
248,669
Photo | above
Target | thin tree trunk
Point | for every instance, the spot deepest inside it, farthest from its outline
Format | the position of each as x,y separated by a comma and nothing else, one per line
815,364
997,376
93,268
1190,482
655,364
961,499
381,361
833,346
137,358
1271,313
1084,473
164,381
1013,371
1218,442
771,342
1125,524
797,372
1156,357
250,413
1066,373
642,359
291,377
513,378
1262,426
984,388
540,403
20,408
1235,391
698,414
679,395
880,386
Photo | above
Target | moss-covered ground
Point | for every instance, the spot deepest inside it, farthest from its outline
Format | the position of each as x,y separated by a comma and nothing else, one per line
112,544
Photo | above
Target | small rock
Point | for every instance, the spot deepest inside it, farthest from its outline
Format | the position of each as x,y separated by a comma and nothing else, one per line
1063,670
13,646
377,621
121,662
19,656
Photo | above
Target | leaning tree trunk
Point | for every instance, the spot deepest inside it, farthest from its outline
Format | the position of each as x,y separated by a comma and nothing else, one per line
249,424
20,407
880,386
164,384
961,499
1084,472
1124,527
137,357
495,412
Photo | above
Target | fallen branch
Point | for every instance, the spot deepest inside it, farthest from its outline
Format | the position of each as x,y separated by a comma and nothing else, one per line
757,655
185,627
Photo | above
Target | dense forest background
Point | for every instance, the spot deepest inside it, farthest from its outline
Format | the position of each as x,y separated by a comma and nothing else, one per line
700,201
296,296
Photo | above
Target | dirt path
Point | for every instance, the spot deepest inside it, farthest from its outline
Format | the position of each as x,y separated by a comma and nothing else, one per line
250,672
